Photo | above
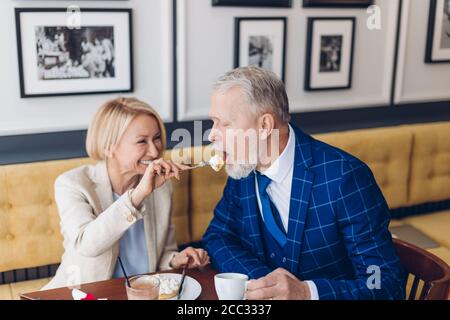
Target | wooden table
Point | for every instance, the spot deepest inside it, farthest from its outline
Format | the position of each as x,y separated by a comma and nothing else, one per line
114,289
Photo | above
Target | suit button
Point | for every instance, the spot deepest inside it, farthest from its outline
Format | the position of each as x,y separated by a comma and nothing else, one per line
272,255
9,237
284,260
130,218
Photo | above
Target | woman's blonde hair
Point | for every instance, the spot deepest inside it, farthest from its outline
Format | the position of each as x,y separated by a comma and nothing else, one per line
111,121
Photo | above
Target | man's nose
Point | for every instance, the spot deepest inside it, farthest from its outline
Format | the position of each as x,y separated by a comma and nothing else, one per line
211,137
213,134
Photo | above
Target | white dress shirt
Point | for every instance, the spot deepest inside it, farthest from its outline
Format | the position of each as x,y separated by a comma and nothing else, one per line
279,190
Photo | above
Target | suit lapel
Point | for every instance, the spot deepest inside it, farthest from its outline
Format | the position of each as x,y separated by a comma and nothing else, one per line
103,186
302,181
104,192
251,211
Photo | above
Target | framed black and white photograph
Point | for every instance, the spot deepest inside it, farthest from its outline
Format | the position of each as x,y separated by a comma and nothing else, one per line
59,58
438,39
329,53
261,42
253,3
337,3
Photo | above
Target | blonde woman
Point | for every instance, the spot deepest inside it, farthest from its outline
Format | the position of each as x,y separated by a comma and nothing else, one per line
120,207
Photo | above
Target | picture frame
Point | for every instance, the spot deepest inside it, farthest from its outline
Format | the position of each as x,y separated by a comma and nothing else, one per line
329,53
261,42
337,3
253,3
438,35
58,58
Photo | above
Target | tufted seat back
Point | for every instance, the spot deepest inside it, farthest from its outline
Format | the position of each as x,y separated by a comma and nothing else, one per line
430,163
410,163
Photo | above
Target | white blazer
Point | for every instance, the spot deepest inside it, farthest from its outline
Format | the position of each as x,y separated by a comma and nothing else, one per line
92,225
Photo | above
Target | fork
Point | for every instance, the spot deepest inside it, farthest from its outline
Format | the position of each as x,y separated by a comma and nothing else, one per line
199,165
180,290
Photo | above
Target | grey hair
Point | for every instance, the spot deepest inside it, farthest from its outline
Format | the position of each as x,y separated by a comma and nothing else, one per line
263,90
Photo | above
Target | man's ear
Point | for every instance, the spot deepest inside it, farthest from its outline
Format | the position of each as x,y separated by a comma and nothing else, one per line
266,125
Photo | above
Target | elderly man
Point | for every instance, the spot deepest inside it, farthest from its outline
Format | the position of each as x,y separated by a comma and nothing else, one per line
301,218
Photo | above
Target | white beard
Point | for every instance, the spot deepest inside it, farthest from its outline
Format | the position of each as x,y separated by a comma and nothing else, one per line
239,171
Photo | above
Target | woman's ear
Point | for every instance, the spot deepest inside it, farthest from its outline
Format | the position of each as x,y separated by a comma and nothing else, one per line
267,124
109,152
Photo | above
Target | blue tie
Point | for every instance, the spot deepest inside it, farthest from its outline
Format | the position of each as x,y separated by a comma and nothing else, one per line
269,210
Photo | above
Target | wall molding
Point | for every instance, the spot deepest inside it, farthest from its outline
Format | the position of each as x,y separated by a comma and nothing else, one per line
70,144
31,147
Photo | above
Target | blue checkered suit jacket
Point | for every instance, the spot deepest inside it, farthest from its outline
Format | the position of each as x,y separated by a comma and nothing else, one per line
338,227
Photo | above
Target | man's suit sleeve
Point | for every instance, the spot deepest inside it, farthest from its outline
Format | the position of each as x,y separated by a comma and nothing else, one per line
224,241
363,219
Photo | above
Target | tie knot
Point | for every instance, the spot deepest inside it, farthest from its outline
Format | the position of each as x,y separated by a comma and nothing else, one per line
263,181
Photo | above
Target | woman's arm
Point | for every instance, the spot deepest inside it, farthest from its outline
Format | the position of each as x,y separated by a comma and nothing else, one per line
170,250
171,247
92,235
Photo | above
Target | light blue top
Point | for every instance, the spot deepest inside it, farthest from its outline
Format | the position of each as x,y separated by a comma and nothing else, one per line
133,250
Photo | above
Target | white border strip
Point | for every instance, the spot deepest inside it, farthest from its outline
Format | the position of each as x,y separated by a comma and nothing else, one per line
181,53
167,51
402,51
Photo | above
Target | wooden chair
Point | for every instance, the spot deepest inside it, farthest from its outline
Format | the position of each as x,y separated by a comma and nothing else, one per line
425,266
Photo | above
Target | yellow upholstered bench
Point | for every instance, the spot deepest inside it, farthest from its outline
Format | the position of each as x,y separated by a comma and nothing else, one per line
410,163
430,163
29,220
412,166
430,182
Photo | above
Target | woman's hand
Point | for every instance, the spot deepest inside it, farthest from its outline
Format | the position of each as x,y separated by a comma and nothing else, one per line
156,174
191,258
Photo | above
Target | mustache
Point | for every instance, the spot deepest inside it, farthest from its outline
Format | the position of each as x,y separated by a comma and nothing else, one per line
219,148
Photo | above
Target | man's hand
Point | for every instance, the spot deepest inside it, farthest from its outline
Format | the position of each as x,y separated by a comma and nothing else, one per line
278,285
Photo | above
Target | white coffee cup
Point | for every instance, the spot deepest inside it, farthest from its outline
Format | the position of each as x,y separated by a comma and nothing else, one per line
230,286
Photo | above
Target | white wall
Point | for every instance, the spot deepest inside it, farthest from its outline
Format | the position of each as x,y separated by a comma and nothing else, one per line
206,49
418,81
152,45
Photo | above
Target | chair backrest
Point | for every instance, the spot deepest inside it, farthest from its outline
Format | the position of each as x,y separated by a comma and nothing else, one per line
425,266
